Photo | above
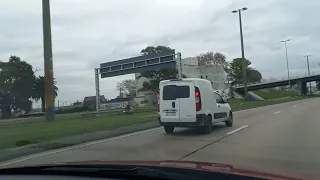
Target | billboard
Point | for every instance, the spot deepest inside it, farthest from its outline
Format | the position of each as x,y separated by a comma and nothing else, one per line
149,62
113,105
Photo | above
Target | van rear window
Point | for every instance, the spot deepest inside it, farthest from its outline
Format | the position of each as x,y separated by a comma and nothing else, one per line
173,92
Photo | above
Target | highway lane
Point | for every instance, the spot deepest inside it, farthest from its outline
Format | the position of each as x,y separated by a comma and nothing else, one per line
282,138
283,141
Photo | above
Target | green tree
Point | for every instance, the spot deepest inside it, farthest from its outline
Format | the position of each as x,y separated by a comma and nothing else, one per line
254,76
214,59
236,72
16,86
318,85
210,58
157,75
151,49
127,86
39,91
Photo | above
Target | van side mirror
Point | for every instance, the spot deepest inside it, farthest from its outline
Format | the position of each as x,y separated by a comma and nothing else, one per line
225,100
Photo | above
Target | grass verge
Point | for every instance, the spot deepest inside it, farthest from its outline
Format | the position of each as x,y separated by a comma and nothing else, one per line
275,94
15,136
239,104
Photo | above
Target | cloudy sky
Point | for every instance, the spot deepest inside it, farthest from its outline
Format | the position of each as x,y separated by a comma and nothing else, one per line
86,33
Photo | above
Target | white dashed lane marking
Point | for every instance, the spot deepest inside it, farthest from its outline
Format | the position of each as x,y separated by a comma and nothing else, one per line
277,112
238,129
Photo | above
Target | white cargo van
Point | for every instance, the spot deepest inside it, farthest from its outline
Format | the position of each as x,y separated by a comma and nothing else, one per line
191,102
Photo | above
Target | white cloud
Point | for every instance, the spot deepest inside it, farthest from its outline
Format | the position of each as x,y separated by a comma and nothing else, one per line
86,33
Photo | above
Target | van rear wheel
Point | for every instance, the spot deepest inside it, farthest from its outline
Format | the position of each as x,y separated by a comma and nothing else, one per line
208,125
169,129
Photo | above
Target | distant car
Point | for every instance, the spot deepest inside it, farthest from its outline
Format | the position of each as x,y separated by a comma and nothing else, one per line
191,102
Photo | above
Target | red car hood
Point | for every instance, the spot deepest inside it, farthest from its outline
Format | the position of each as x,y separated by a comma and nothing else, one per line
203,166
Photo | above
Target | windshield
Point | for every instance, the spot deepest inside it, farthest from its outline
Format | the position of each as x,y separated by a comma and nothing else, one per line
239,83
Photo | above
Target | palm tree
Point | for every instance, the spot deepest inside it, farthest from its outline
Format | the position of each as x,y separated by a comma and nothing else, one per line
38,90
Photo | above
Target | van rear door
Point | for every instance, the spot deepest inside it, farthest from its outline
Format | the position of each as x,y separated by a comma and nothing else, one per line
177,103
187,101
169,103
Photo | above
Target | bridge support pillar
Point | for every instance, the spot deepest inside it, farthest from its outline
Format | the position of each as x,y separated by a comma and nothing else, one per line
302,85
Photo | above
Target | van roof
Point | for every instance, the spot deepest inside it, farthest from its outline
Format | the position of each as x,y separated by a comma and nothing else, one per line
188,79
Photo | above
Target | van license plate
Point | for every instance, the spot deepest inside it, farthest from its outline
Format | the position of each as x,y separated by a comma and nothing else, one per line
170,114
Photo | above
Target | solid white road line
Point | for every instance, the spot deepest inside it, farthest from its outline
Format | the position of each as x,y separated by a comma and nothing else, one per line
239,129
74,147
294,106
277,112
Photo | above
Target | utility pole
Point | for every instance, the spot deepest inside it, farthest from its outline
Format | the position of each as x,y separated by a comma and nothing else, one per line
244,64
97,84
285,44
179,66
48,64
309,72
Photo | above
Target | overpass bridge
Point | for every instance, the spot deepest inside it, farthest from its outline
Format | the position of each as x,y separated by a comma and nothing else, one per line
300,81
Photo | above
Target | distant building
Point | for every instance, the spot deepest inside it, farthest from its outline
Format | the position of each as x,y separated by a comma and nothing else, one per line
91,100
215,74
78,103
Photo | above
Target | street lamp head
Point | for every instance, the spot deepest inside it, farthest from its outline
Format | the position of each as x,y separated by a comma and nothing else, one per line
234,11
245,8
285,40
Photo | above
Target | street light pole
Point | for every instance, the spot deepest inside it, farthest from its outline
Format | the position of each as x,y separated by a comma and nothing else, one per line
285,44
309,72
244,65
48,65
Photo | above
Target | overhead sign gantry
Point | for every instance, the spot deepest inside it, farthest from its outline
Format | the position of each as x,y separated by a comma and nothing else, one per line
155,61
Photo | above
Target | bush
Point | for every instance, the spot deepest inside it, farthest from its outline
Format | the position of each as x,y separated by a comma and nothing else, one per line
31,115
74,110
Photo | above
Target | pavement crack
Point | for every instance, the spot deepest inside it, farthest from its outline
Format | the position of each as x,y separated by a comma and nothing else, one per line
217,140
193,152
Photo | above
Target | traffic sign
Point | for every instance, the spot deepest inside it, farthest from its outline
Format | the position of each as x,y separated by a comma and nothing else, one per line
150,62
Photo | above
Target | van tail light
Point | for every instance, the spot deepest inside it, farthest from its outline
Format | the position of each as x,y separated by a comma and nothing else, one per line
198,99
158,97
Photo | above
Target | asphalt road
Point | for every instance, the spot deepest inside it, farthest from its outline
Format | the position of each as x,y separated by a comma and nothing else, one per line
282,138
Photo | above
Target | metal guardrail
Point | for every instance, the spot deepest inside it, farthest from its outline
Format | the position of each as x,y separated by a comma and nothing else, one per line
95,114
